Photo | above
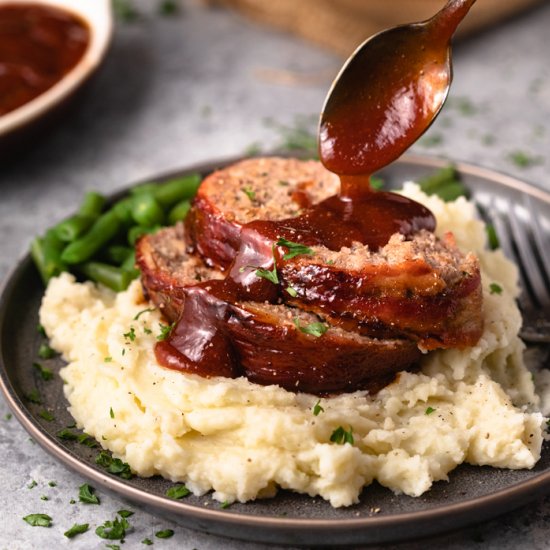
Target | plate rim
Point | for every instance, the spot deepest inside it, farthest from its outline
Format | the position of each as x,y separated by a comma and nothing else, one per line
489,505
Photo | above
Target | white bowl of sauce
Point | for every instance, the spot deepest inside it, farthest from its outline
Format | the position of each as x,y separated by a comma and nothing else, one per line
48,50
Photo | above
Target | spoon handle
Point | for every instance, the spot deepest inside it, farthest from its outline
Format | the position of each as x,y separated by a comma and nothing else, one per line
447,19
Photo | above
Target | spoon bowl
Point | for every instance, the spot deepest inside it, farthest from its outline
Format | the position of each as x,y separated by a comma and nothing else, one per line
388,93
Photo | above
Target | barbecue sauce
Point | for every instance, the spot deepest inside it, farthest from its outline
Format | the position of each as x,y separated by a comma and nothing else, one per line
39,45
370,131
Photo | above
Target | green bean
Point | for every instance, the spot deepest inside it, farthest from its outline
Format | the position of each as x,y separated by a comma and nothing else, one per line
144,188
123,210
146,211
101,232
135,232
129,265
117,253
110,276
92,205
46,253
169,193
70,229
179,212
430,184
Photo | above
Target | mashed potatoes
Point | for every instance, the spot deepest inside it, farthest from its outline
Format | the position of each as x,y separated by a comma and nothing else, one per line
244,441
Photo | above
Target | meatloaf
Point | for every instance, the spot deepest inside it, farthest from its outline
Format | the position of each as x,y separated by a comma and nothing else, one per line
267,343
420,288
324,320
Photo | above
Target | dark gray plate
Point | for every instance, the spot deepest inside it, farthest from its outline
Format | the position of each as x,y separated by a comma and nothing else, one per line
472,495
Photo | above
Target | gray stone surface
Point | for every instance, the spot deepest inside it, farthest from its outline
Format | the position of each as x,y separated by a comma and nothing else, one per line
179,90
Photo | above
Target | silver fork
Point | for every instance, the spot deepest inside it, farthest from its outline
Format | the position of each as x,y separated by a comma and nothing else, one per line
524,237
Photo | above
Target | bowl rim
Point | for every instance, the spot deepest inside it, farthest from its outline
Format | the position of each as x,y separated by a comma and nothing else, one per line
98,16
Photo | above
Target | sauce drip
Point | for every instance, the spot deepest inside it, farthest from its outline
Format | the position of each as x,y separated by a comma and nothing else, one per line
38,46
358,136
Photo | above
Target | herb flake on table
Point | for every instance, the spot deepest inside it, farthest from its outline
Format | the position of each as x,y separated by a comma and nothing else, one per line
164,534
38,520
86,494
76,529
147,542
125,513
113,530
523,159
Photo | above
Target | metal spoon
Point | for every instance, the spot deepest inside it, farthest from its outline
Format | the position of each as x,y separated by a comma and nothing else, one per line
388,93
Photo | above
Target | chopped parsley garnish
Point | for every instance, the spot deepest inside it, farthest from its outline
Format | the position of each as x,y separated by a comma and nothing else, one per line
34,397
32,484
291,291
294,249
76,529
88,440
45,373
41,330
178,491
67,435
249,192
113,465
147,542
44,497
341,436
429,410
147,330
164,331
125,513
46,415
495,288
113,530
131,334
111,412
269,274
38,520
225,504
164,534
314,329
45,351
52,483
107,359
138,315
317,409
86,494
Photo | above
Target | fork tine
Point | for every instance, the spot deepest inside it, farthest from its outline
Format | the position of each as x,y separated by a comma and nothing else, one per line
543,243
499,216
526,250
